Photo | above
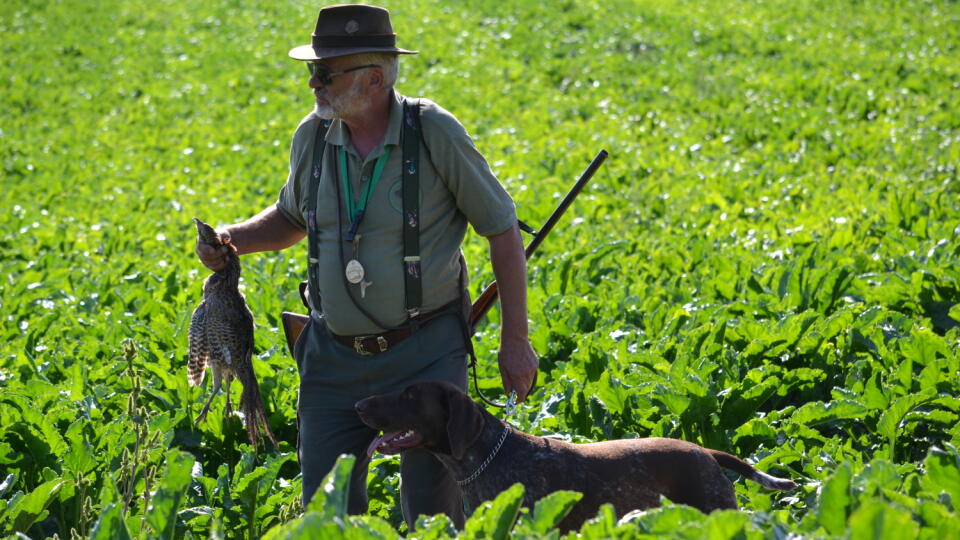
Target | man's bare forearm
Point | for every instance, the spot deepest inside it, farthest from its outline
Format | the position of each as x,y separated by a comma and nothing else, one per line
267,231
510,269
517,360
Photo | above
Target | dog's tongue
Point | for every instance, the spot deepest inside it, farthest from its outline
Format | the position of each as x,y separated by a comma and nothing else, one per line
385,437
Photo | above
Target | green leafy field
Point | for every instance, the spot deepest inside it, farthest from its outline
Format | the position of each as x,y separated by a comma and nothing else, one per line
767,264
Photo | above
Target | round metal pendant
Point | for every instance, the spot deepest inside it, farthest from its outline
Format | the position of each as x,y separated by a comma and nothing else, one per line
354,271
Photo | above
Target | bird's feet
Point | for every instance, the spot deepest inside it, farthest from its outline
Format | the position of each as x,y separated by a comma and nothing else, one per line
203,412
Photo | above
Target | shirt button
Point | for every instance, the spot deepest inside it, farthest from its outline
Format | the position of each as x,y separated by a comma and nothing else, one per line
364,178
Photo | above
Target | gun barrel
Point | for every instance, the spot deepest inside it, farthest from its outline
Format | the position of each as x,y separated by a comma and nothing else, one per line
489,295
566,202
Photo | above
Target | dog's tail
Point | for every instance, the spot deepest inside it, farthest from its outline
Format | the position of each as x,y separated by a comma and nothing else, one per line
741,467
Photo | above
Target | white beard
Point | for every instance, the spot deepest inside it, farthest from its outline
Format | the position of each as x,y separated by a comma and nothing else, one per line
346,104
324,111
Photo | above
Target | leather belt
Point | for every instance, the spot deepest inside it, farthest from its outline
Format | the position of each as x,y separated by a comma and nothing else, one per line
371,344
376,343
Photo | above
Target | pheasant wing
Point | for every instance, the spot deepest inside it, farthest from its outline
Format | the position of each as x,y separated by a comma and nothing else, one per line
230,335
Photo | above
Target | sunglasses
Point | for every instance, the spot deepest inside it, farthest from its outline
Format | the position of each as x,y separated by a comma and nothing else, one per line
325,76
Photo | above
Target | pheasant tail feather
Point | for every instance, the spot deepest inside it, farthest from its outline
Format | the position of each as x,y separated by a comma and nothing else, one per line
251,403
199,353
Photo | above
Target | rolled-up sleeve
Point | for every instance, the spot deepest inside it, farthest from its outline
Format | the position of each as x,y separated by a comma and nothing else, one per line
478,194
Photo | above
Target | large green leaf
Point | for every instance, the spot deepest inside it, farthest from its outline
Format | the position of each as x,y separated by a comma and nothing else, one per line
877,520
311,526
878,475
110,524
612,392
874,396
938,521
815,413
675,402
665,520
331,498
80,458
891,418
32,507
943,474
550,510
834,501
603,525
740,406
266,483
494,519
369,527
726,524
161,514
435,527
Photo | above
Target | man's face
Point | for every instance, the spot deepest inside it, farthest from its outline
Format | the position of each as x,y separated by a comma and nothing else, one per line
344,95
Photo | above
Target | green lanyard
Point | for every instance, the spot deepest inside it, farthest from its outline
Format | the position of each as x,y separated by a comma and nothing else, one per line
355,211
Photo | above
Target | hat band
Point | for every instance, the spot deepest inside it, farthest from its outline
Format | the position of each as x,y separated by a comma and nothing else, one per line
336,42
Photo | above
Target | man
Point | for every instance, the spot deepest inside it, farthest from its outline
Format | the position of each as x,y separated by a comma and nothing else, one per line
364,335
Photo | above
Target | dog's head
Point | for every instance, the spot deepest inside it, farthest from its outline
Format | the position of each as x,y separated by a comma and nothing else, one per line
433,415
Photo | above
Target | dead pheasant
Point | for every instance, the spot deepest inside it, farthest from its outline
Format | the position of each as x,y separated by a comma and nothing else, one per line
221,336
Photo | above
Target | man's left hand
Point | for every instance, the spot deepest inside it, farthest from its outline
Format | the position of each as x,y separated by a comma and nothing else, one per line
517,360
518,366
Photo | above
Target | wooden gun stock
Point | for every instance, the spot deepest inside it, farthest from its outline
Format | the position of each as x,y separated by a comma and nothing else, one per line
489,295
293,324
482,305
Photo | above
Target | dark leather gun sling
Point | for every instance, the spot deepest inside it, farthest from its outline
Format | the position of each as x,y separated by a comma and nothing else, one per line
293,323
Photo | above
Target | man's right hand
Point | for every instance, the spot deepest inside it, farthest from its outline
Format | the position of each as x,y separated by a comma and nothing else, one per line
214,258
267,231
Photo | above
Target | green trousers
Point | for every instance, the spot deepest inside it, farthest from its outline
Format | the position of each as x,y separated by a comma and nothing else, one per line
334,377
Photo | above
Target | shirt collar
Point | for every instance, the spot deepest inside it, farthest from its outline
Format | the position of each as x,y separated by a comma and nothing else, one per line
392,136
337,132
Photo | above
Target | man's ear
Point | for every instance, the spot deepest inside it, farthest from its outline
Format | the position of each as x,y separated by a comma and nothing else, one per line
375,78
464,422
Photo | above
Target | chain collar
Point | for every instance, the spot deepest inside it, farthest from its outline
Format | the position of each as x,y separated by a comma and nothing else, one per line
472,477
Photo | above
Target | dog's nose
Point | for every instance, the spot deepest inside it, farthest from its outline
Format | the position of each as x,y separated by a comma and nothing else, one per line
362,406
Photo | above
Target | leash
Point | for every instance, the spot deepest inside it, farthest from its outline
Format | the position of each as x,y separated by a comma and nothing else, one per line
510,407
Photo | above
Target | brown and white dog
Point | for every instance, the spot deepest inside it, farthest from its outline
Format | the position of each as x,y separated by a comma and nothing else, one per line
486,456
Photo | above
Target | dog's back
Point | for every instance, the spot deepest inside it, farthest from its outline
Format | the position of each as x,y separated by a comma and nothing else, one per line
630,474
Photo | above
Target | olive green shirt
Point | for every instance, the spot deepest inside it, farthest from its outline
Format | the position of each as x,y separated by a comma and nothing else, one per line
456,187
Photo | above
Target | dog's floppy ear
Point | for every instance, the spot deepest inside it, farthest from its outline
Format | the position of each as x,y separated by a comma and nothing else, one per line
464,422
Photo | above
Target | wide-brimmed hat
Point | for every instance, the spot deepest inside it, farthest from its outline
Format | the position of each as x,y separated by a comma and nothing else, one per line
350,29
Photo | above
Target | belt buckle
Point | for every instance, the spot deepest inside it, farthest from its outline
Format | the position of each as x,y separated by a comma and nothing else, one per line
358,346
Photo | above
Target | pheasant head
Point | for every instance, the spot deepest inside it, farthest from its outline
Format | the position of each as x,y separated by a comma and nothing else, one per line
230,274
207,234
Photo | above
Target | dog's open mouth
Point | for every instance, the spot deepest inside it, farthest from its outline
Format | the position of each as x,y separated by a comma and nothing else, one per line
392,442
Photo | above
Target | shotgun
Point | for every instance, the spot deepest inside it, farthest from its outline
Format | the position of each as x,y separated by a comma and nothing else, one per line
489,295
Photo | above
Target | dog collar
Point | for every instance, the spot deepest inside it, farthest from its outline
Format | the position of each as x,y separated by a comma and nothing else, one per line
493,454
